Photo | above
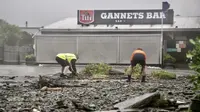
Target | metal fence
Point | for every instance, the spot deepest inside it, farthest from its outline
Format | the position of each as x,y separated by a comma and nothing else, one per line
14,54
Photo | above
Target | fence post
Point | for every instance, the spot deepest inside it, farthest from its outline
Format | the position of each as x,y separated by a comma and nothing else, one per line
77,44
3,50
18,54
118,49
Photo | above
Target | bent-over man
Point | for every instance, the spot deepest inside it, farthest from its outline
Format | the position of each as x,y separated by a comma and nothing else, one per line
138,57
67,59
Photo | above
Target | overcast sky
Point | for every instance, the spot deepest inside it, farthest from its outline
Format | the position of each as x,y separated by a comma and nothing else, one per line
44,12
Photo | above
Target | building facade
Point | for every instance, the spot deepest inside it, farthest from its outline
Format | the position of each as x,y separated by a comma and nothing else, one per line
110,36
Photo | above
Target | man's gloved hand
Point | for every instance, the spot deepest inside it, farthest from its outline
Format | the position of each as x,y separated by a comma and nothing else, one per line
74,73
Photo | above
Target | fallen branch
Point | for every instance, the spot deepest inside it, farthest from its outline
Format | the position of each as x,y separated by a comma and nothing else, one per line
51,82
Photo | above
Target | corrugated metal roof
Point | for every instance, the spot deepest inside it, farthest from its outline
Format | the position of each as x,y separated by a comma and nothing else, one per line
179,21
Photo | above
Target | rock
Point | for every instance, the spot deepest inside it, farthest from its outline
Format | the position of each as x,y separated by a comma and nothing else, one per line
170,108
151,90
131,110
105,94
96,97
116,101
98,81
26,81
60,103
190,96
44,88
54,89
13,85
161,103
52,110
178,102
13,77
92,106
26,110
161,86
35,110
172,102
188,93
77,103
140,101
84,84
2,110
125,86
87,108
183,107
170,93
162,110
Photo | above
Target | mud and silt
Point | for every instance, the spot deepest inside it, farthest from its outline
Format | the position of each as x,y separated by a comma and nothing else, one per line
24,95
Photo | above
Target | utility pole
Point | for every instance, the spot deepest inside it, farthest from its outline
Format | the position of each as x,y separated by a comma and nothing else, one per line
165,7
161,41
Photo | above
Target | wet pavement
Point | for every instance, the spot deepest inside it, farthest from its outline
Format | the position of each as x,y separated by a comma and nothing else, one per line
24,70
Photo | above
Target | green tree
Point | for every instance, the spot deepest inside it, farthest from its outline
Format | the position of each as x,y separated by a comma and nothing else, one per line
12,35
194,55
26,39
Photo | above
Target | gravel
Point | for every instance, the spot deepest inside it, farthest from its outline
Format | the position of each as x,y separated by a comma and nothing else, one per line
16,96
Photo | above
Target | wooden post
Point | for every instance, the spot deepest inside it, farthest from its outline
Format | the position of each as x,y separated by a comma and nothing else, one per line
18,53
3,50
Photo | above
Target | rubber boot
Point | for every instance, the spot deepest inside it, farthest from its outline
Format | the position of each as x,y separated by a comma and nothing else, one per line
62,75
129,78
143,78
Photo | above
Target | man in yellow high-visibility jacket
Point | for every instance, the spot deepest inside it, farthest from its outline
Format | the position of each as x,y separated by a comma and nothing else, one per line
67,59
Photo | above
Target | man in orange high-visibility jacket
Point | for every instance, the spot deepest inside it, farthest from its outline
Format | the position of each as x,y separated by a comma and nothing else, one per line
138,57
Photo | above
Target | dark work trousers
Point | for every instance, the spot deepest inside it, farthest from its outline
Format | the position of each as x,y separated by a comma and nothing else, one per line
138,59
73,63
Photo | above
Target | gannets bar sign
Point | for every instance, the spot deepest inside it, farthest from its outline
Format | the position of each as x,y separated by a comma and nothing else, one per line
130,17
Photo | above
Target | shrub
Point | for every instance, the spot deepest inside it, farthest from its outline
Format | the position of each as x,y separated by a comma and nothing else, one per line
161,74
30,57
97,69
136,71
195,79
194,55
197,97
161,102
168,57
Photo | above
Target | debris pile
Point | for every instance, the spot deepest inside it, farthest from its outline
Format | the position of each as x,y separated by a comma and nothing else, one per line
51,93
